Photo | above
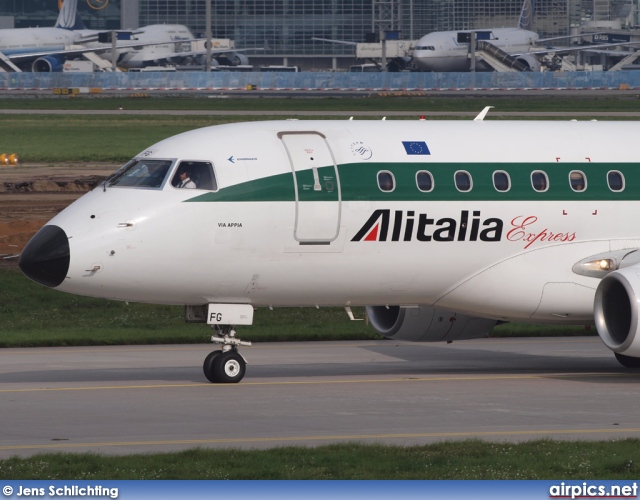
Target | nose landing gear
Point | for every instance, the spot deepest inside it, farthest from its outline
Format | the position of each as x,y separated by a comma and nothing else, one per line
226,366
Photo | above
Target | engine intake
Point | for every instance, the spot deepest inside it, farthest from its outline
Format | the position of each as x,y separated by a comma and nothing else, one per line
530,61
426,324
616,311
47,64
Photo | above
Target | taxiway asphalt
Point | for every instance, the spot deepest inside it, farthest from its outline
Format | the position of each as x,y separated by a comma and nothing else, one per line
133,399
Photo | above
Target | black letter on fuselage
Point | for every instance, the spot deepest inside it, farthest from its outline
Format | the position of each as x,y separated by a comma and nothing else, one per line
449,230
475,225
408,230
464,219
384,227
496,230
397,226
423,222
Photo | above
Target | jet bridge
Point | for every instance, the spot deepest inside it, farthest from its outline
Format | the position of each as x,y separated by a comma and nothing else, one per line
498,59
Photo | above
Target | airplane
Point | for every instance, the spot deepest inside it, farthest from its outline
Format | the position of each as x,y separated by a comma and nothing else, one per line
449,50
47,49
175,44
438,242
511,48
445,51
22,46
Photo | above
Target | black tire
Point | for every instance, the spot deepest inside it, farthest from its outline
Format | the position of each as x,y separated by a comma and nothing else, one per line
229,368
207,366
628,361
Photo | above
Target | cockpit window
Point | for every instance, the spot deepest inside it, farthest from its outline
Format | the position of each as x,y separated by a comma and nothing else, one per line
141,173
195,175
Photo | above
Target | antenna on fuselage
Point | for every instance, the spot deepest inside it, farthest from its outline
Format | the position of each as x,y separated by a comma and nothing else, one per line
482,114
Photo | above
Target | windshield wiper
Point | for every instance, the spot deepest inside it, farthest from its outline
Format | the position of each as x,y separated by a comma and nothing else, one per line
114,176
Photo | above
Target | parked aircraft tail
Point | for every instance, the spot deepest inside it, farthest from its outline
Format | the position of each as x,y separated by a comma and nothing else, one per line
526,15
68,18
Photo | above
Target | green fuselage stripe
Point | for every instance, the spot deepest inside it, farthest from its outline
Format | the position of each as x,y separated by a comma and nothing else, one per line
358,182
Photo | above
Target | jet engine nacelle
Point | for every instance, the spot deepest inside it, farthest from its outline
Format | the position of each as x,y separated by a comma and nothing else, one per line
47,64
616,306
426,324
530,60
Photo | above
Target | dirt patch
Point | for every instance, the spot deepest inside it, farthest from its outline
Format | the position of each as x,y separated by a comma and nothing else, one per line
14,235
55,185
31,195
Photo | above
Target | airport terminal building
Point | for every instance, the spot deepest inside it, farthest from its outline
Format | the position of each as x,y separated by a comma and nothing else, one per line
285,28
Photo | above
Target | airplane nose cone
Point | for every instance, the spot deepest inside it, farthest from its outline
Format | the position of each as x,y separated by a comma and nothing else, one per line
45,259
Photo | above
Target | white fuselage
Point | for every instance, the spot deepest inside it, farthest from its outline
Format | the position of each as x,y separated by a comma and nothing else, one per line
157,43
27,40
169,42
15,42
445,51
282,229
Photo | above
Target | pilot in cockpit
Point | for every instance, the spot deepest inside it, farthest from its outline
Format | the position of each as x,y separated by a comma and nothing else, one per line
185,180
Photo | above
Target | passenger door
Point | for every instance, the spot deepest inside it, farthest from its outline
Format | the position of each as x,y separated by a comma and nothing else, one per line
317,187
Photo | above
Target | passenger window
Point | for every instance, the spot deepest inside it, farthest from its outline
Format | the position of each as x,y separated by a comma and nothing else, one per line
463,181
386,182
501,181
615,180
577,181
539,181
195,175
424,180
141,173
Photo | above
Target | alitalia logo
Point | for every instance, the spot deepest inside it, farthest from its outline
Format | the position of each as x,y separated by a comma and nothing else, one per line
383,225
528,230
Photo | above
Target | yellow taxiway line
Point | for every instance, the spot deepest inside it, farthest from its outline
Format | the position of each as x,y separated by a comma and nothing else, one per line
460,378
293,439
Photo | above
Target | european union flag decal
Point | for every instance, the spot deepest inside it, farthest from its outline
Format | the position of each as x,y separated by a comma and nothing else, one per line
416,147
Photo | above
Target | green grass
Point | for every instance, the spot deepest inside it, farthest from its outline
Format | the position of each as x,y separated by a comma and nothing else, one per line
388,101
95,138
33,315
535,330
543,459
106,138
69,138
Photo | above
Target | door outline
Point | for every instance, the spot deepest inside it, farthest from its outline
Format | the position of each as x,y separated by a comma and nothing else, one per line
317,187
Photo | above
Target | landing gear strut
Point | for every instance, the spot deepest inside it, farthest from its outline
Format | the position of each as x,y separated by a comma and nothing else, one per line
226,366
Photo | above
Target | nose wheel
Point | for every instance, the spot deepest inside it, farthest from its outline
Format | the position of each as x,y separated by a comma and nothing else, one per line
225,366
